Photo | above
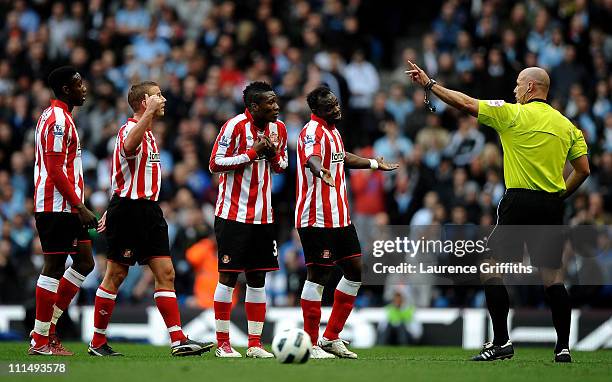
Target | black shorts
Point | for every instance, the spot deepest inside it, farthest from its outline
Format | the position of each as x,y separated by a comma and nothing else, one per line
245,247
327,246
136,231
60,232
533,219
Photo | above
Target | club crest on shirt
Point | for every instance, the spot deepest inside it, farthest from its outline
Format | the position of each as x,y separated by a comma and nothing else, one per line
225,259
58,130
337,157
274,138
326,254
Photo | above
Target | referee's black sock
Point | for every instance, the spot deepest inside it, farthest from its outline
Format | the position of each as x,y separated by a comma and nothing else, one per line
498,304
559,301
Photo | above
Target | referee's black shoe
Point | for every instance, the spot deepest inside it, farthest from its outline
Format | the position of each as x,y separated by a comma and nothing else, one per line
492,352
190,347
563,356
103,351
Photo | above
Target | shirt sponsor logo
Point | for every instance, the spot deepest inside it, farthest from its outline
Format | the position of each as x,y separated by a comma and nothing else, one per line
154,157
338,157
496,102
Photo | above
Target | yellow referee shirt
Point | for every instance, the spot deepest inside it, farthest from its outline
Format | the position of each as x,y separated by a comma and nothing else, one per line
537,140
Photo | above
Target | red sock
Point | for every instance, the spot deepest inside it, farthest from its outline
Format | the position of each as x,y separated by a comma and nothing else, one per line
223,309
222,321
168,307
311,310
344,299
46,288
103,310
255,306
69,286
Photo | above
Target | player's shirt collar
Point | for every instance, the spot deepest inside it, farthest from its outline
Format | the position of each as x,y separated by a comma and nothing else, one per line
62,105
322,122
250,119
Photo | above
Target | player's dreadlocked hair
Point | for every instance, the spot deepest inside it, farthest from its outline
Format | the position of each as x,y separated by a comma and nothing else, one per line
314,97
60,77
252,93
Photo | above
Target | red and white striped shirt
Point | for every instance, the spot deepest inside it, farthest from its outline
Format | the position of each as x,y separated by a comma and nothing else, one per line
317,204
245,182
139,175
56,133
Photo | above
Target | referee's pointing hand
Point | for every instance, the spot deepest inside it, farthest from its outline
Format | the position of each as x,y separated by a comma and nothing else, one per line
417,74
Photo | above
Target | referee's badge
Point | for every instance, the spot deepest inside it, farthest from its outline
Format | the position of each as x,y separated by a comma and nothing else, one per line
326,254
225,259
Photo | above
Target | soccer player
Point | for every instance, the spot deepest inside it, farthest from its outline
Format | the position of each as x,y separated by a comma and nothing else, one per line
61,217
323,222
248,148
537,141
135,226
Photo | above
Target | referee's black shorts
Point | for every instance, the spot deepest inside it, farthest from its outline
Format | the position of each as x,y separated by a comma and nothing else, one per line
531,219
136,231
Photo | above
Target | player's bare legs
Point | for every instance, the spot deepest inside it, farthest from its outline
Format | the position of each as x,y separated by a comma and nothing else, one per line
561,310
344,300
165,299
104,305
255,306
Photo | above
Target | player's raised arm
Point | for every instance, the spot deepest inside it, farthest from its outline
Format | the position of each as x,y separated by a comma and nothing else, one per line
453,98
153,104
355,161
222,158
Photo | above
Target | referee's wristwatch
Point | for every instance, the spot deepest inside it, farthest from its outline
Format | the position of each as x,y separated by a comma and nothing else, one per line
430,84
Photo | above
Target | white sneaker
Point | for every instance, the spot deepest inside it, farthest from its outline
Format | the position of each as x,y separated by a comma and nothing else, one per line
317,353
226,351
258,352
337,348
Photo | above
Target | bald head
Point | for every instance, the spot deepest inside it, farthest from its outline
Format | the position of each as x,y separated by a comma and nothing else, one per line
531,83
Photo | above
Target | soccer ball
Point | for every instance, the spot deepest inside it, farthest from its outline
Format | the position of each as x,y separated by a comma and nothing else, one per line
292,346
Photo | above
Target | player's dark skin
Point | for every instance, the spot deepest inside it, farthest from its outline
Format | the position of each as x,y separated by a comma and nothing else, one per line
328,109
263,112
73,94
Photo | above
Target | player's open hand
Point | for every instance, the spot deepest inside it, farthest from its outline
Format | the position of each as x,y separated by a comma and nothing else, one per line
327,177
102,224
417,75
384,166
87,218
153,102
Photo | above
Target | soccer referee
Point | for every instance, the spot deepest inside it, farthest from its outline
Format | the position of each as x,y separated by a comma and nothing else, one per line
537,141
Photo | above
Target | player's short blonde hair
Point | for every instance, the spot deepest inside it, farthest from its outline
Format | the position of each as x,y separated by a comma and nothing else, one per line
137,93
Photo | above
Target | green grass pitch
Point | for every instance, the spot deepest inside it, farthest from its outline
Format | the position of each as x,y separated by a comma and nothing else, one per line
150,363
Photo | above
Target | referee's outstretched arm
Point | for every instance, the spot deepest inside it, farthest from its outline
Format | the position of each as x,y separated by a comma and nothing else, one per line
453,98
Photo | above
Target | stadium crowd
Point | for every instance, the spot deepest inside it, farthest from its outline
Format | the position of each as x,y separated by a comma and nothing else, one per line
204,52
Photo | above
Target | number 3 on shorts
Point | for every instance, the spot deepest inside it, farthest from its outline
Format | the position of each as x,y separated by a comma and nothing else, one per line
275,250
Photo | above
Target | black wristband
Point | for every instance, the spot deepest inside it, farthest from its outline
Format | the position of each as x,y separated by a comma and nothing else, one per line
430,84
